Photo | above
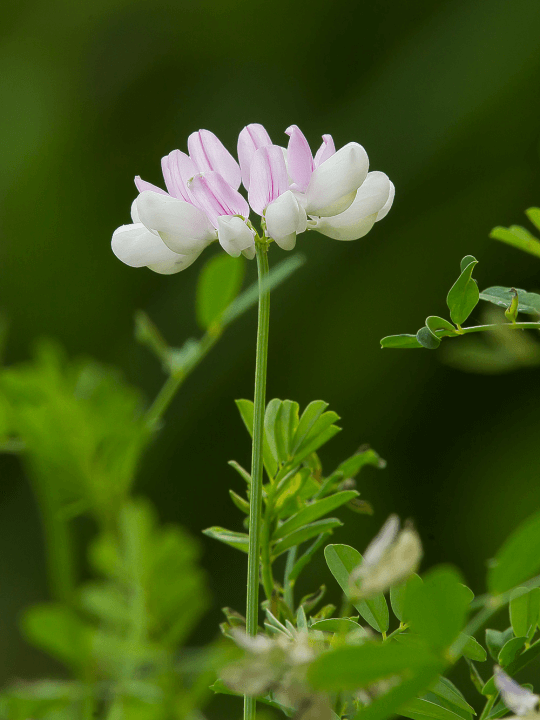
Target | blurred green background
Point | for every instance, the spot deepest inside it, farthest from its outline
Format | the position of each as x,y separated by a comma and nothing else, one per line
443,95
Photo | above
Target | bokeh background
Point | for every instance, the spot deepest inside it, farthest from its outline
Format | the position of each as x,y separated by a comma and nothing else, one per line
443,95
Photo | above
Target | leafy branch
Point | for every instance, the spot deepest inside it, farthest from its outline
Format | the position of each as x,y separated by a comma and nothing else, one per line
461,300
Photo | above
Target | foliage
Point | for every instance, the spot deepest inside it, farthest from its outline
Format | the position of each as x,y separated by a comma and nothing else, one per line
81,432
120,625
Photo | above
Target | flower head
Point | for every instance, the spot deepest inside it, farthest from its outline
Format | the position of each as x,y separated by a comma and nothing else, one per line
389,559
516,698
289,188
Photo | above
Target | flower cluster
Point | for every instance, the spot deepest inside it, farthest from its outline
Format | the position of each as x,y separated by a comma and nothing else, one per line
276,668
289,188
390,558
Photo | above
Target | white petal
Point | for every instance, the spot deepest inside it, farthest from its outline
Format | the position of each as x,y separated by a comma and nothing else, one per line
302,222
287,242
177,264
516,698
335,230
333,184
386,207
183,228
249,252
136,246
234,235
134,212
369,200
283,217
382,541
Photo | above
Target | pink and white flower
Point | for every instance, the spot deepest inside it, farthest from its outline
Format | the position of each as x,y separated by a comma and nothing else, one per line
269,196
202,203
341,197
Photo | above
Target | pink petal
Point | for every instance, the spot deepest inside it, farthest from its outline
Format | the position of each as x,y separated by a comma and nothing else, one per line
178,168
212,194
299,157
268,177
251,138
142,185
209,154
326,150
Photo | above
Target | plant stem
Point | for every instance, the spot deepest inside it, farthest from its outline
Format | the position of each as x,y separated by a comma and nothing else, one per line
488,706
512,326
255,500
175,380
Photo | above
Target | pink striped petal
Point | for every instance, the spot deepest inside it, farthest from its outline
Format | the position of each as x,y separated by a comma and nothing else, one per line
326,150
212,194
142,185
268,177
209,154
251,138
178,168
299,157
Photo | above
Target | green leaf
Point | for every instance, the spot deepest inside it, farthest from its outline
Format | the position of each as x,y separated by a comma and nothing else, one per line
237,540
305,533
518,559
436,323
319,427
314,511
60,632
418,709
517,237
397,595
400,341
245,408
529,303
473,650
219,283
271,420
341,561
289,419
240,502
336,625
463,296
390,702
511,650
307,556
446,690
534,216
352,466
436,609
148,334
495,640
309,417
427,339
241,471
316,442
524,611
349,668
466,261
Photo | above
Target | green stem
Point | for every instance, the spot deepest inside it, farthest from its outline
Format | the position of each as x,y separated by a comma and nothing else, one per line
175,380
59,542
255,505
512,326
488,706
492,603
